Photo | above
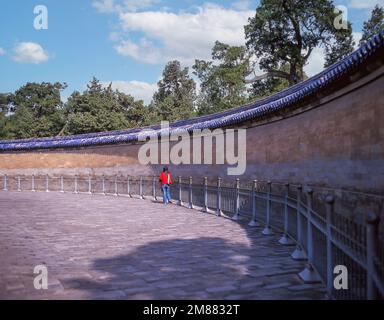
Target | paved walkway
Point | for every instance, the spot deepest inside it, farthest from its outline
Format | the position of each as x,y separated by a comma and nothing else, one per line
98,247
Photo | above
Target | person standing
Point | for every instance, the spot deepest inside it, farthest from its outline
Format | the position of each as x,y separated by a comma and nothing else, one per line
166,182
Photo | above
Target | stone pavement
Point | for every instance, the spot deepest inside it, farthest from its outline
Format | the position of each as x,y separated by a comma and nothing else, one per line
104,247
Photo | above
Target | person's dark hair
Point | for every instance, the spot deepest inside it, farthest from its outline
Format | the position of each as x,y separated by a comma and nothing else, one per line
165,169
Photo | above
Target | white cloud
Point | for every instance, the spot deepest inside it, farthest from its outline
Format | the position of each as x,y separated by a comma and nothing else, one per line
138,89
317,58
134,5
143,51
114,36
357,37
29,52
184,36
2,51
156,37
189,35
242,5
107,6
315,62
104,5
364,4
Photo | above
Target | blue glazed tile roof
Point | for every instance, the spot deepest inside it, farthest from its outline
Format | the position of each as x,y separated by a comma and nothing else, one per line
247,112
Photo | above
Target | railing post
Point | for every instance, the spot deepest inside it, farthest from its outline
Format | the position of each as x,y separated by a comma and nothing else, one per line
89,185
309,275
236,217
205,208
190,202
5,183
372,236
267,230
33,184
179,202
154,188
285,240
299,253
116,191
76,190
141,188
254,222
103,184
329,200
18,184
218,205
47,183
62,184
129,186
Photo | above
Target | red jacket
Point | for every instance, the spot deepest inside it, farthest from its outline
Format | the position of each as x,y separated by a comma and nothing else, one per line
165,178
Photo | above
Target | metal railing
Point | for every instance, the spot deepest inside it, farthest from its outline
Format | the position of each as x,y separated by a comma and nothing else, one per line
305,217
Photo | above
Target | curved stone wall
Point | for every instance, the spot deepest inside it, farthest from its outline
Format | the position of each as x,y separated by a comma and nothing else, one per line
327,131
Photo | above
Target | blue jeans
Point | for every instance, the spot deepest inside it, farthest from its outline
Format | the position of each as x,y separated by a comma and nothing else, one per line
166,193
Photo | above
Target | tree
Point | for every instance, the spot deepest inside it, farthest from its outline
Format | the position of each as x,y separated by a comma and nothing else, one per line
4,107
135,111
265,87
36,110
340,46
101,109
374,25
3,124
174,99
95,110
222,85
285,32
4,102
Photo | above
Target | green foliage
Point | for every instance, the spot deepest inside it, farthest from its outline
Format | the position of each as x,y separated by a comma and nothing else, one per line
4,120
268,86
286,33
4,101
174,99
340,46
101,109
222,84
3,124
36,110
374,25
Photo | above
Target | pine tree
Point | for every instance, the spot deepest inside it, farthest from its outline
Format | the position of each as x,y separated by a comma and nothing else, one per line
37,110
222,84
286,33
100,109
374,25
174,99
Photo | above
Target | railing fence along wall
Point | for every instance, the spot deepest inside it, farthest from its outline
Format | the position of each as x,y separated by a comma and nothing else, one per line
317,221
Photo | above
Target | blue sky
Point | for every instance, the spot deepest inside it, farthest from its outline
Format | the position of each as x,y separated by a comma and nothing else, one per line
126,42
